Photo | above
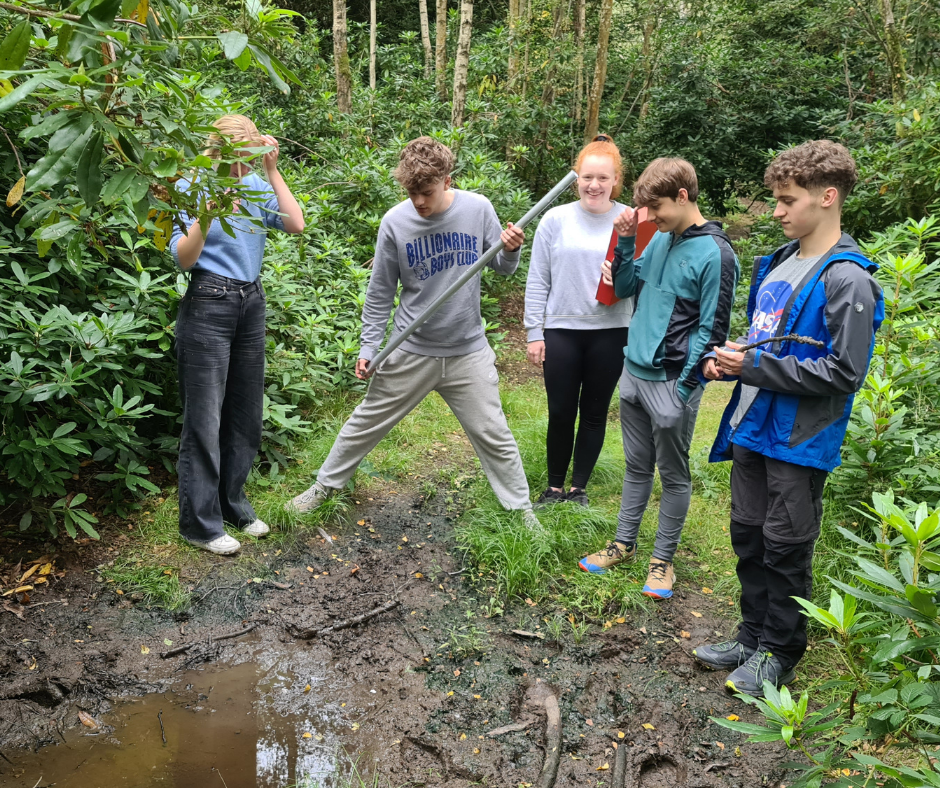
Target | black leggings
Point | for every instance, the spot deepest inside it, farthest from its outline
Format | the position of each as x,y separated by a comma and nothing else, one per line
581,372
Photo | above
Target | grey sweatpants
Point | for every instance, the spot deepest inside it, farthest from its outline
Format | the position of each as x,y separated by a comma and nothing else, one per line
657,431
468,384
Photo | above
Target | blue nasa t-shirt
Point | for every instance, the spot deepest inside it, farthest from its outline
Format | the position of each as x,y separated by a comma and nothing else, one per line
772,299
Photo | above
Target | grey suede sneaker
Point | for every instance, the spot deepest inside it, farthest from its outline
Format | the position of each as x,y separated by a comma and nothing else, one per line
761,666
308,500
723,656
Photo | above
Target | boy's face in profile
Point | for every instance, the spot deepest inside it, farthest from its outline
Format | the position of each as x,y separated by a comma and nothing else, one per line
668,214
431,198
800,211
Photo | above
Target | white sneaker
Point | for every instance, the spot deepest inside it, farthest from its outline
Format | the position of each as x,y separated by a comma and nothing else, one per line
222,545
256,528
530,520
308,500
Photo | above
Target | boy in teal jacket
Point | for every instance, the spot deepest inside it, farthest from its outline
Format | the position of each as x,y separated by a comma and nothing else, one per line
683,286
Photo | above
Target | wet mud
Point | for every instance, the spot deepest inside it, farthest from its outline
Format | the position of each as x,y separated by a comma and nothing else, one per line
430,693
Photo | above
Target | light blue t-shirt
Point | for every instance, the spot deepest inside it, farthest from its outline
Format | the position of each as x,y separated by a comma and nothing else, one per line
239,257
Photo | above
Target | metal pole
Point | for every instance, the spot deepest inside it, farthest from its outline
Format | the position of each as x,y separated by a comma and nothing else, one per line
488,255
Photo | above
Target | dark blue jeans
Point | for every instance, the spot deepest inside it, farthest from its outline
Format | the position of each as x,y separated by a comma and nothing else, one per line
220,356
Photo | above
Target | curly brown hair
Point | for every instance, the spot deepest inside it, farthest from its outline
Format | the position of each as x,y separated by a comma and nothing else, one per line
423,161
663,178
814,165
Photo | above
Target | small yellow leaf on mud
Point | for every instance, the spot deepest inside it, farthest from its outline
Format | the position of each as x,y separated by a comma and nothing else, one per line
309,568
144,650
46,569
707,591
529,602
589,722
418,575
14,195
696,614
118,591
737,751
603,768
457,672
684,634
308,736
476,750
325,574
733,717
355,726
168,572
34,665
318,737
167,642
649,727
440,586
87,720
916,120
39,580
621,620
404,538
342,705
477,697
620,734
361,522
450,693
463,736
307,688
719,745
608,624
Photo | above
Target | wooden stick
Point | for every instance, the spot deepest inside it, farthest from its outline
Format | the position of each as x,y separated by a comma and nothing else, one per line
182,649
788,338
307,634
512,728
18,9
552,743
620,766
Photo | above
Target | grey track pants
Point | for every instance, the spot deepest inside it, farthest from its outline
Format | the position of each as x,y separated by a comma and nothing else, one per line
657,431
468,384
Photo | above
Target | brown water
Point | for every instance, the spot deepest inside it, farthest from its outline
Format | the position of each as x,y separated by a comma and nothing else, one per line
231,727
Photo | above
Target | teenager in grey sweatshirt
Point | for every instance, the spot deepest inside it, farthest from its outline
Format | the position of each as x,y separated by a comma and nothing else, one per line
425,243
576,339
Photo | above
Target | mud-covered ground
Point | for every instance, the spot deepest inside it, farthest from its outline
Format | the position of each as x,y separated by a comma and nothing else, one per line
415,691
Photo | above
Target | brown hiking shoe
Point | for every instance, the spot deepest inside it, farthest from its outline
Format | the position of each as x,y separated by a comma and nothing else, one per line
615,553
660,580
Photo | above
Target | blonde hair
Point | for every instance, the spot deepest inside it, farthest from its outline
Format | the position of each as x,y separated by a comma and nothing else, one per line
234,130
664,178
603,145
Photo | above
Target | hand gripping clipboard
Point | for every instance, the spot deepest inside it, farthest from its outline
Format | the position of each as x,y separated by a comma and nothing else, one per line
644,233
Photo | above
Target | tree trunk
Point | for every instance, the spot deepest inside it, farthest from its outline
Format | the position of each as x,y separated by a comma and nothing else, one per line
462,62
646,57
600,70
372,26
425,36
525,7
579,24
440,54
513,24
341,58
559,14
897,66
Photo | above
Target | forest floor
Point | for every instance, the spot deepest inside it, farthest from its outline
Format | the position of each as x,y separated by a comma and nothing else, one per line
419,695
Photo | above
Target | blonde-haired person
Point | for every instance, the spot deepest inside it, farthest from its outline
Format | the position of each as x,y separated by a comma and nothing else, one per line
220,340
577,340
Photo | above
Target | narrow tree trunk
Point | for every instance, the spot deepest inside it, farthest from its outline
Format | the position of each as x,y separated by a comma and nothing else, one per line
600,70
462,62
512,66
525,8
341,58
440,54
579,24
425,36
559,14
372,26
649,29
897,67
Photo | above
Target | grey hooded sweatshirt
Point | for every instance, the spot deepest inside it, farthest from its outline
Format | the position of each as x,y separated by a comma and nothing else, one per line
426,255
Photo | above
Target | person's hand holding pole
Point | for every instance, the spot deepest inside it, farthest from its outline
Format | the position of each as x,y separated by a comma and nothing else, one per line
362,369
512,237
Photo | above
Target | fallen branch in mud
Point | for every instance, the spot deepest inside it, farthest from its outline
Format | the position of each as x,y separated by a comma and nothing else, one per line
516,726
620,766
183,649
307,634
552,742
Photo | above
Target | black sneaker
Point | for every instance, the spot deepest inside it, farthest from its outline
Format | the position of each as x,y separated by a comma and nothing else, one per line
761,666
723,656
577,495
549,497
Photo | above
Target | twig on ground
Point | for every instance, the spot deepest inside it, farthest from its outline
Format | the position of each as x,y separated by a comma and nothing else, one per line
220,776
162,731
38,781
182,649
552,742
307,634
512,728
620,766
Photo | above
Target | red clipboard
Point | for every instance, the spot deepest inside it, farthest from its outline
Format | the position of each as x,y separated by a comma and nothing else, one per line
644,233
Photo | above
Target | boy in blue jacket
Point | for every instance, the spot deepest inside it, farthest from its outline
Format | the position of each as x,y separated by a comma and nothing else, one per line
683,284
787,417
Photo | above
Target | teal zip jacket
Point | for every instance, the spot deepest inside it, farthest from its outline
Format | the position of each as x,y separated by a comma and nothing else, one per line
684,292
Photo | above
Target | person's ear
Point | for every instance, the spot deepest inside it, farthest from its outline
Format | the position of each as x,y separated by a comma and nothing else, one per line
447,182
830,197
682,197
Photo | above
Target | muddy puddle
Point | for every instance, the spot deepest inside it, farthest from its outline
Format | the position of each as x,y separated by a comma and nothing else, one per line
266,723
